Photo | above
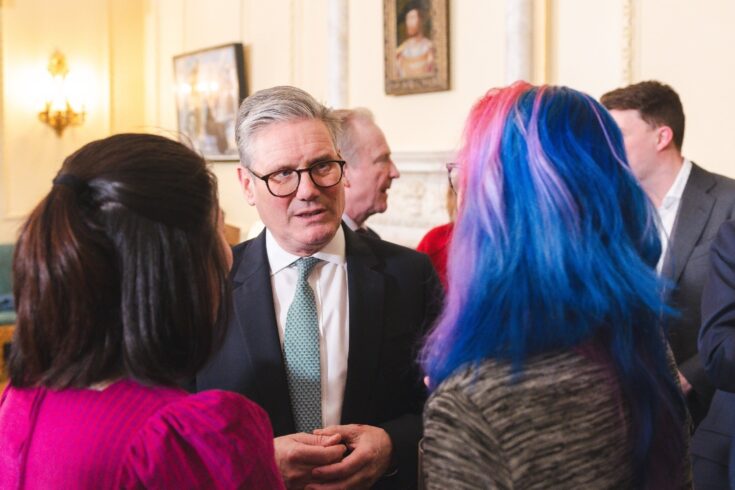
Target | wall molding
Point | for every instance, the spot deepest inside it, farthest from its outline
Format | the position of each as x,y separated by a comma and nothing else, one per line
628,35
338,53
518,40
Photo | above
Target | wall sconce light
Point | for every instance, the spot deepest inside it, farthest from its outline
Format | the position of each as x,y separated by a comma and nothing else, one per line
58,112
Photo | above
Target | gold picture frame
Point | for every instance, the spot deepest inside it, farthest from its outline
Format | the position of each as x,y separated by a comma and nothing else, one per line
416,39
210,85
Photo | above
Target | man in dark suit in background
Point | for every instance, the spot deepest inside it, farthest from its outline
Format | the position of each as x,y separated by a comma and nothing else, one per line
713,453
326,323
369,170
691,202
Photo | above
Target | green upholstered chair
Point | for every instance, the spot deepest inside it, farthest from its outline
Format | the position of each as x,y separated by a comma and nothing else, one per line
7,318
6,280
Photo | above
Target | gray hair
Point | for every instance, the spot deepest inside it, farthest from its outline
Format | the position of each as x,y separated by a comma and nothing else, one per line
274,105
346,141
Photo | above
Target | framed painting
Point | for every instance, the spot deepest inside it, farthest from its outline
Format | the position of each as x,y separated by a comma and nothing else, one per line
416,46
210,84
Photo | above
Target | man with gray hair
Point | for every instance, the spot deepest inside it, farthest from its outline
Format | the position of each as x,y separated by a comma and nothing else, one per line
369,170
325,323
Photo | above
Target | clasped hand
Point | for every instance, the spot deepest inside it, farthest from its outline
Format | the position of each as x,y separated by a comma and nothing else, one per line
321,461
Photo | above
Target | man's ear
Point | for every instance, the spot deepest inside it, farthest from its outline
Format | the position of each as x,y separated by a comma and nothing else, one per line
346,176
664,137
247,184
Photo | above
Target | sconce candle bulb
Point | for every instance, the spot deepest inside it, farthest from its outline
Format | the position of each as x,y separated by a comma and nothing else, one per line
58,112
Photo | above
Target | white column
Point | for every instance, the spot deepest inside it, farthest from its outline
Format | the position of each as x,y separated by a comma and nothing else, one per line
338,53
518,40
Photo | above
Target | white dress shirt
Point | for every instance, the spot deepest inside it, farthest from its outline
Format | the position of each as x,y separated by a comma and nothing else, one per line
328,280
669,209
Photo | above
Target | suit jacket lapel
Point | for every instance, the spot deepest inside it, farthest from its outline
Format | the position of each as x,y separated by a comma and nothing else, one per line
255,316
694,211
366,295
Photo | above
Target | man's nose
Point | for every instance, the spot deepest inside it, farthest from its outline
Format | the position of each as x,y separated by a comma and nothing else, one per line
394,173
307,190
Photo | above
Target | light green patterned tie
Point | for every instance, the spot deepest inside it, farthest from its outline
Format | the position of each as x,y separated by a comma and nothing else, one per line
301,352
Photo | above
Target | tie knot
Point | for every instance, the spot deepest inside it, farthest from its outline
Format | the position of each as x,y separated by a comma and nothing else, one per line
305,265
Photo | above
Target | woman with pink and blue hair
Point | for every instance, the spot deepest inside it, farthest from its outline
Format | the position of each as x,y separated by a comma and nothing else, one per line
549,367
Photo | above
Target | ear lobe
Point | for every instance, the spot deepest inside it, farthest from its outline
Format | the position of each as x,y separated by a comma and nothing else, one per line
346,177
247,184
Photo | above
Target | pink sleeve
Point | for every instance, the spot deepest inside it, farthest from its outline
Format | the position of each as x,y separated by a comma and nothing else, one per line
214,439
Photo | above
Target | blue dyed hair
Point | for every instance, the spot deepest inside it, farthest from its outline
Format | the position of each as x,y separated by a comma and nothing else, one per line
554,249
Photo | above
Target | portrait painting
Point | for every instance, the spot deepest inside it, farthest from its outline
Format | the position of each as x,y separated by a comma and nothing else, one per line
210,84
416,46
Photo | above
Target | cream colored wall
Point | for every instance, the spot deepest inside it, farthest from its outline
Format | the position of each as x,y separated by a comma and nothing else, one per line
174,27
583,52
101,57
286,43
428,122
124,49
683,43
688,44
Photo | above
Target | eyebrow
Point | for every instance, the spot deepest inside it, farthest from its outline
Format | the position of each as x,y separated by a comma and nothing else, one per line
321,158
383,157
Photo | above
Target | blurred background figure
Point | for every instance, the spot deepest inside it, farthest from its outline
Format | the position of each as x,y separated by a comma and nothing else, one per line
369,171
691,204
435,243
548,365
120,280
713,457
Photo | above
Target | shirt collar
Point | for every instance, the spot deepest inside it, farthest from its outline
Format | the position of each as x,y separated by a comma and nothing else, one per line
279,259
350,222
676,190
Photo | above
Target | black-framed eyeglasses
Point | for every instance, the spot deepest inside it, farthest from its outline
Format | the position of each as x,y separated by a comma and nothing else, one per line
453,174
285,182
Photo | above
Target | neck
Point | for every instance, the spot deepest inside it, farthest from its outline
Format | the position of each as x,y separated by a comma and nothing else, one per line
657,183
358,218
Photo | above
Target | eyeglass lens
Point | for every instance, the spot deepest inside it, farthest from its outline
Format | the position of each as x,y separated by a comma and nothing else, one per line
322,174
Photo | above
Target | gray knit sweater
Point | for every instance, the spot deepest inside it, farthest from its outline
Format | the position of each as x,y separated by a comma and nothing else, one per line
561,425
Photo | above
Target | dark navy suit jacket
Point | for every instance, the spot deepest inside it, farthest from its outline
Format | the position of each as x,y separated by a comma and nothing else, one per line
708,201
713,453
394,297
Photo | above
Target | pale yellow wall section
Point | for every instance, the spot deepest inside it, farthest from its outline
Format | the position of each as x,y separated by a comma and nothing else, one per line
124,50
102,41
689,45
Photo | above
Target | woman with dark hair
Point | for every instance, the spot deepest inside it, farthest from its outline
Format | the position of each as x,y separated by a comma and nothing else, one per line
549,366
120,278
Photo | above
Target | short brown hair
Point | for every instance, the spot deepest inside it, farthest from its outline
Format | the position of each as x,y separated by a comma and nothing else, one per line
119,271
657,103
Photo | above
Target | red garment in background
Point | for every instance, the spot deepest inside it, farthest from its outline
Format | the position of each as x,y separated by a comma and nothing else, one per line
435,244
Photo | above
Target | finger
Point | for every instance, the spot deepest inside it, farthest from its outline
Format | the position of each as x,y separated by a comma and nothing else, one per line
349,466
323,440
331,430
347,431
318,455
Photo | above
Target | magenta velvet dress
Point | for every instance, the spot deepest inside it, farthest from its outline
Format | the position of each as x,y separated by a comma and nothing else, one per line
133,436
